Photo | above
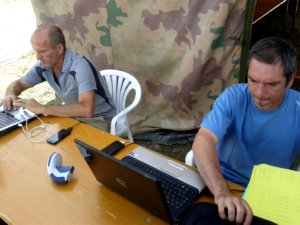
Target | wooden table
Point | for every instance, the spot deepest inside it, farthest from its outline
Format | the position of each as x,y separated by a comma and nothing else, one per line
29,196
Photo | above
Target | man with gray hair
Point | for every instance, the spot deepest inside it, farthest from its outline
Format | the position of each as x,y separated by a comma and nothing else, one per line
80,90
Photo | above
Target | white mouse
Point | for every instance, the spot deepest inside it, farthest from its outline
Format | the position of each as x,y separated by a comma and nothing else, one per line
58,173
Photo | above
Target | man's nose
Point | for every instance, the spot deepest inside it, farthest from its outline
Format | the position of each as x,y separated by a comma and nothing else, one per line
260,90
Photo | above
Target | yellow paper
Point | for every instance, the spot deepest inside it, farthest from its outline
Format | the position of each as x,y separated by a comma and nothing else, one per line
274,194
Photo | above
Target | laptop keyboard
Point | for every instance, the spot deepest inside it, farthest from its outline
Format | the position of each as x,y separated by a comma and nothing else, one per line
7,119
176,193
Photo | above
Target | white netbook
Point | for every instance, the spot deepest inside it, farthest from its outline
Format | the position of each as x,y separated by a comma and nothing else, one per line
9,119
168,166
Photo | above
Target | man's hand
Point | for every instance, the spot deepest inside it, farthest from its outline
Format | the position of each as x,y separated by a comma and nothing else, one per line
8,102
230,207
234,209
30,104
12,92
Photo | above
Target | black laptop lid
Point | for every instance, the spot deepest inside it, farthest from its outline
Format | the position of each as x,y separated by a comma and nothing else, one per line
114,174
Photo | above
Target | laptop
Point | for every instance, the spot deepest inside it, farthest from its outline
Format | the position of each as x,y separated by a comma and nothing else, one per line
9,119
143,188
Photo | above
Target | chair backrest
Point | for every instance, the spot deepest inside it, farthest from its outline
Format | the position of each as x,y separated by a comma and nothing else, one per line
189,158
120,84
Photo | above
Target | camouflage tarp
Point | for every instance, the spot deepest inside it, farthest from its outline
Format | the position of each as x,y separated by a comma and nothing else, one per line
183,52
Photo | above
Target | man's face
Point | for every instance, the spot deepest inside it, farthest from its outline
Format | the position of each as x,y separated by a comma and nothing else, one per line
267,84
44,52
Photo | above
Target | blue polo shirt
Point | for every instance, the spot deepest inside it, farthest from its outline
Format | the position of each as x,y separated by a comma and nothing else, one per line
249,136
77,76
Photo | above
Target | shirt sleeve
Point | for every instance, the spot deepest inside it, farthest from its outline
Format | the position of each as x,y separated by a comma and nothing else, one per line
220,118
35,75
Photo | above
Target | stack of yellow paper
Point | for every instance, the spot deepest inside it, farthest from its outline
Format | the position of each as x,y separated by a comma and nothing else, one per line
274,194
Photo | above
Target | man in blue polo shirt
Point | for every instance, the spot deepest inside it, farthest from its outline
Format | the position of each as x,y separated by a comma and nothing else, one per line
250,124
80,90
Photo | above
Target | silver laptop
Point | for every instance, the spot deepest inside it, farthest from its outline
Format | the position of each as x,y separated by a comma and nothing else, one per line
168,166
9,119
147,190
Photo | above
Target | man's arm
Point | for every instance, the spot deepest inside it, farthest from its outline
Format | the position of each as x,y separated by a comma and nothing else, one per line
84,108
230,207
13,91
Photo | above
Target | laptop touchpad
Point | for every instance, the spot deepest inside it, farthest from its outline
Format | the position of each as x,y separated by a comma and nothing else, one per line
173,168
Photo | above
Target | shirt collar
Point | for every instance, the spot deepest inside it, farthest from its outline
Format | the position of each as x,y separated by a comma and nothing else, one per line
67,62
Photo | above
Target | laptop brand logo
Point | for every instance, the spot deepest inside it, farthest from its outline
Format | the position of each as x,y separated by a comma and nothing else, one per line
121,182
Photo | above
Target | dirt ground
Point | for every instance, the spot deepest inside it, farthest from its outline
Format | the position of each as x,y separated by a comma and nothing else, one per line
17,22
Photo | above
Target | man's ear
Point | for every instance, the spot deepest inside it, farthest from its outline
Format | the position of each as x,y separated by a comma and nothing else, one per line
60,48
291,80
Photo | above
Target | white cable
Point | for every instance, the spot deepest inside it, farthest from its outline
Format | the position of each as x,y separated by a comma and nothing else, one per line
35,131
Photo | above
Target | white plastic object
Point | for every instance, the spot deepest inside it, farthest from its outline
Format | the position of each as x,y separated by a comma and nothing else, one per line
120,84
58,173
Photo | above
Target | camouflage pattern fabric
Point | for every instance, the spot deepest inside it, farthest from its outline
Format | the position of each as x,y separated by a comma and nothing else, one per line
183,52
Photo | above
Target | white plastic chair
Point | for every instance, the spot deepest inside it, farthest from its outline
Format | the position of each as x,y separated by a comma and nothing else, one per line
120,84
189,159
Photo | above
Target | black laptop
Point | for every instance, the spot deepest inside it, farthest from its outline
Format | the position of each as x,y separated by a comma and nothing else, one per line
143,188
